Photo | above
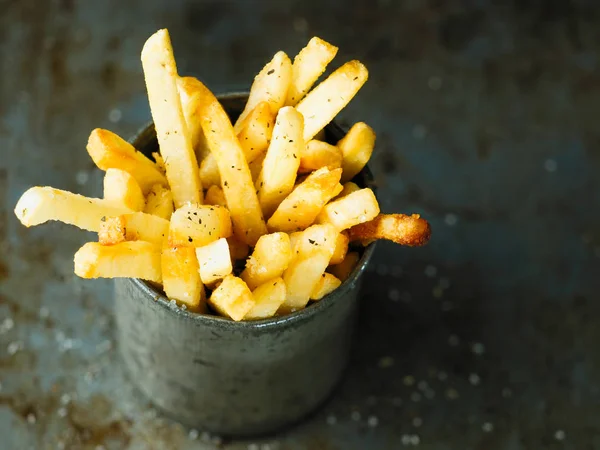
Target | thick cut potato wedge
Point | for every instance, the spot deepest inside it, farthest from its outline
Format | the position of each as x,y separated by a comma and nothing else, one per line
319,154
237,249
159,202
136,259
232,298
302,276
270,85
300,209
198,225
276,180
268,297
121,188
358,207
341,248
256,167
136,226
271,256
41,204
357,148
214,196
109,151
256,134
345,268
209,172
402,229
181,280
348,188
214,260
327,284
160,73
325,101
308,66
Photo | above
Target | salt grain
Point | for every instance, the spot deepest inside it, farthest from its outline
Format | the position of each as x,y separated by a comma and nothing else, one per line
31,418
14,347
6,325
430,271
65,399
487,427
62,412
451,219
115,115
559,435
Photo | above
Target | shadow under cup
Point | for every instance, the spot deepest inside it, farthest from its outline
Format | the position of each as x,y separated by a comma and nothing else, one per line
235,378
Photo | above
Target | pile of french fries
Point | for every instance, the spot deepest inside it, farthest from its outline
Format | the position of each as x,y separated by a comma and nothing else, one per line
265,195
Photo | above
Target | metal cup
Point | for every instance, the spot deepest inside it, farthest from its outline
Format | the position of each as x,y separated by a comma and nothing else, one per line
235,378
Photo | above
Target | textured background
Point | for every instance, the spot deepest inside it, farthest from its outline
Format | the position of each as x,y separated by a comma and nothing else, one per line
486,114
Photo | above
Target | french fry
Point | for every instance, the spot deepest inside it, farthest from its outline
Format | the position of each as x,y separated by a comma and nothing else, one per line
357,148
300,209
159,202
256,133
341,248
412,231
278,174
326,100
256,167
308,66
355,208
160,73
214,260
271,256
135,259
135,226
348,188
214,196
323,237
209,172
236,180
160,162
327,284
302,276
343,270
180,278
109,151
121,188
268,297
41,204
198,225
319,154
232,298
190,112
270,85
237,249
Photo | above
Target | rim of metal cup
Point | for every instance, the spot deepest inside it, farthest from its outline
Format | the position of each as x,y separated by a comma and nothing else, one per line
297,316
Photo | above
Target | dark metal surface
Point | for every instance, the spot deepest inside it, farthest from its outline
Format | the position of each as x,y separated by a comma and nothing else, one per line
486,114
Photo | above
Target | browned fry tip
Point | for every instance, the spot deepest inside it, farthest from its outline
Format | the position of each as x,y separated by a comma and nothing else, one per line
412,231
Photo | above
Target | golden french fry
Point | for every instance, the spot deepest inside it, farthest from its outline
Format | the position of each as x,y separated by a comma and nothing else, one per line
357,148
270,85
358,207
160,73
278,174
237,249
348,188
209,172
190,112
121,188
256,133
214,260
160,162
41,204
180,278
271,256
214,196
402,229
198,225
323,237
345,268
268,297
327,284
159,202
308,66
232,298
319,154
135,226
341,248
300,209
135,259
325,101
109,151
256,167
302,276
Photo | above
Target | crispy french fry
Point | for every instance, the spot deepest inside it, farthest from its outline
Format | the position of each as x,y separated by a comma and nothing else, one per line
236,180
308,66
109,151
41,204
412,231
256,167
343,270
325,101
160,163
160,73
358,207
256,133
214,260
232,298
270,85
357,148
190,112
136,259
300,209
209,172
237,249
271,256
159,202
122,189
198,225
341,248
319,154
214,196
301,278
276,180
181,280
268,297
348,188
135,226
327,284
